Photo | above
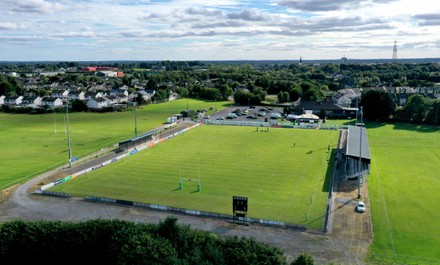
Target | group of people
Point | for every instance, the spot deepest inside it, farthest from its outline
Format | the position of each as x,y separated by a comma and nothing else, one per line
263,130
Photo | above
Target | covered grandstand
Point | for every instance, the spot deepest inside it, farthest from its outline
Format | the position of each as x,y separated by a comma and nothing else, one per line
356,147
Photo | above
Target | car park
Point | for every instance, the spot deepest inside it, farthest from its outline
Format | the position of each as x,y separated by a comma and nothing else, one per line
360,207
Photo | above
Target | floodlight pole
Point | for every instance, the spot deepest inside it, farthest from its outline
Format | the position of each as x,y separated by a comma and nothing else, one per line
360,154
171,108
135,120
199,186
68,133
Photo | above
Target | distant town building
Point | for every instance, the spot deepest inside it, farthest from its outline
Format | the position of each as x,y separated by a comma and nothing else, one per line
344,60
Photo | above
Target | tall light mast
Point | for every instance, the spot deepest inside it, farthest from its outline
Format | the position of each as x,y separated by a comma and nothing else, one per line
394,59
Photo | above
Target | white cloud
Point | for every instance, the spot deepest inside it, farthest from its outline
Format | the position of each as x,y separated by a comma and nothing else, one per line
217,29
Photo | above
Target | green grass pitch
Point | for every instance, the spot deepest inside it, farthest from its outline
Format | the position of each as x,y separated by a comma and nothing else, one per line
283,182
404,192
32,144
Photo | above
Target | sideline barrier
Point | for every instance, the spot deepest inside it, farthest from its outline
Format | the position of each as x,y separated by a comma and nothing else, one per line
332,188
54,193
127,153
264,222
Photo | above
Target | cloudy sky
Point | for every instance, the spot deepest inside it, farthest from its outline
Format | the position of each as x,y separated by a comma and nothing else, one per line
82,30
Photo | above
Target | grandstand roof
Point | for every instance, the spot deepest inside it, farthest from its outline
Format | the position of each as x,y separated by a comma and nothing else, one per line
353,138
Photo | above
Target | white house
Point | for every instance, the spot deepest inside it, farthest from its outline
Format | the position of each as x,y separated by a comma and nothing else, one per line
92,95
97,103
31,101
13,100
77,95
147,94
122,98
51,102
60,93
112,99
2,100
118,91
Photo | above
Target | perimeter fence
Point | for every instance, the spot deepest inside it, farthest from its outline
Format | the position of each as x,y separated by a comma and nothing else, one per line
165,208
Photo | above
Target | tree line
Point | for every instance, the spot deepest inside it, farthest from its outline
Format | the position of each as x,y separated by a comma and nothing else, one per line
379,106
251,82
122,243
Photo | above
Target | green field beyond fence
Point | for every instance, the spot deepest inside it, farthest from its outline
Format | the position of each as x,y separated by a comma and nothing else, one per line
404,193
282,172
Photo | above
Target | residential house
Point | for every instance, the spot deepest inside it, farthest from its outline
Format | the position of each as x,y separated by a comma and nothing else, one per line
98,103
119,91
122,98
112,99
2,100
147,94
344,101
31,101
346,97
13,101
77,95
52,102
60,93
30,84
92,95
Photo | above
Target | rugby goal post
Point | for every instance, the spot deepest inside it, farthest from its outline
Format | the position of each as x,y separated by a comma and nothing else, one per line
199,185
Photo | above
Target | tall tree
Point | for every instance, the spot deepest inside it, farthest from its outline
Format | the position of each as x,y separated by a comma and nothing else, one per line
433,116
377,105
417,107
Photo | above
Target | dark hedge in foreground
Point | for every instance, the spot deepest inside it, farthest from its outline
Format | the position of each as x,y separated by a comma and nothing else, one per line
122,242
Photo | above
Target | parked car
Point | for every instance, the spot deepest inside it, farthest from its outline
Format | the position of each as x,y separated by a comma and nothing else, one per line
360,207
220,118
206,117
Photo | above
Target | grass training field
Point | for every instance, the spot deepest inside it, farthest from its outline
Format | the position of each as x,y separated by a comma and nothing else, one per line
282,172
32,144
404,186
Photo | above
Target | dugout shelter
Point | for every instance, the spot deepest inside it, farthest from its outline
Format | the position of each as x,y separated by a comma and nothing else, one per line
136,141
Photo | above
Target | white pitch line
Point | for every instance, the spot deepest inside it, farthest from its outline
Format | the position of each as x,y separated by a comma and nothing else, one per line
386,214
